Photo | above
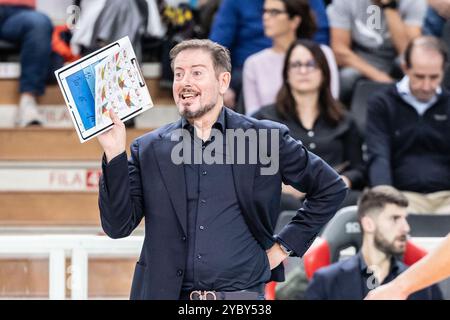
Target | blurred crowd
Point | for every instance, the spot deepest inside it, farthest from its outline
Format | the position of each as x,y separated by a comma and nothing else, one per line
298,62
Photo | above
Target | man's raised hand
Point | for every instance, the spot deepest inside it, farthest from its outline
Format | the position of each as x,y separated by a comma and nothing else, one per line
113,141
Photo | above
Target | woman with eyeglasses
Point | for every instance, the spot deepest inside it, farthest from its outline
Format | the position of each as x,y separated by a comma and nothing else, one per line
306,106
284,22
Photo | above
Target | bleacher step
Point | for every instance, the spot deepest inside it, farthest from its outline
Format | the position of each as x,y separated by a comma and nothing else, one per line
57,116
10,93
51,212
49,209
11,70
31,144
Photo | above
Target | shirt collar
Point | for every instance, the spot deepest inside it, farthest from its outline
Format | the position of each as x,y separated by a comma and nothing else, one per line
405,91
394,267
219,124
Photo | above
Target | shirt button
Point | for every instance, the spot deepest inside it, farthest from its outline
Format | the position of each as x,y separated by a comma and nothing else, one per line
183,238
311,134
312,146
204,173
202,227
203,201
199,256
179,273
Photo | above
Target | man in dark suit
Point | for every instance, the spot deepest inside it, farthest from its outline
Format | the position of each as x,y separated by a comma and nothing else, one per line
382,214
209,225
434,267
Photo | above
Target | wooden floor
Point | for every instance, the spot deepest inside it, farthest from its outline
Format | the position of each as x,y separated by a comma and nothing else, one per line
29,278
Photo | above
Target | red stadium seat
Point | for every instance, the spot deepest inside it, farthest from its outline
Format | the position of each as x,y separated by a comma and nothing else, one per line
270,290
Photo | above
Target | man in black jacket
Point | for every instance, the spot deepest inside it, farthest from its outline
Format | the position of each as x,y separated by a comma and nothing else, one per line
211,204
408,130
382,215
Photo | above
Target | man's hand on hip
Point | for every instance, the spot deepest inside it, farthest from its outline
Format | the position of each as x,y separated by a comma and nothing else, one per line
276,255
113,141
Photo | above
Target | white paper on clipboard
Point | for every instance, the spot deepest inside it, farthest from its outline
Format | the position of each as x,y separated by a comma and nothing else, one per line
109,78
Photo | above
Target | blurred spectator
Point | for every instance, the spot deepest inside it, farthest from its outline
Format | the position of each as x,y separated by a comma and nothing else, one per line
367,36
437,14
182,20
104,21
408,130
284,21
238,26
32,31
207,12
305,104
382,215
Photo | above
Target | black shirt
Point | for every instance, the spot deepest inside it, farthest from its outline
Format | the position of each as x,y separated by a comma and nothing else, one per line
340,146
368,276
222,253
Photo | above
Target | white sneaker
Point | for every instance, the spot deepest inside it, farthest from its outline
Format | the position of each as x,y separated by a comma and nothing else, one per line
28,114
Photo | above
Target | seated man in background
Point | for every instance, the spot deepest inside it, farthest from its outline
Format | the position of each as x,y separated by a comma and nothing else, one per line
433,268
367,36
382,215
32,30
408,130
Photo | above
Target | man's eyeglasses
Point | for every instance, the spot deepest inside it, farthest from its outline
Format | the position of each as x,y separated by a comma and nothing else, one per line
273,12
309,66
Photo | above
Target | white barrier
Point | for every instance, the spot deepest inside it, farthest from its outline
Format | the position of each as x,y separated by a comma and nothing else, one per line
80,248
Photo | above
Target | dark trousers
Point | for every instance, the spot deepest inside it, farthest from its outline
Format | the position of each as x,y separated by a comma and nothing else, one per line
31,30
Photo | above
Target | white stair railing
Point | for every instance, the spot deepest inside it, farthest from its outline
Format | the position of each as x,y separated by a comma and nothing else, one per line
77,247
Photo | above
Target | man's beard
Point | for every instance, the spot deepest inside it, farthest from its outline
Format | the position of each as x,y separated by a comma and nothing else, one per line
387,247
192,115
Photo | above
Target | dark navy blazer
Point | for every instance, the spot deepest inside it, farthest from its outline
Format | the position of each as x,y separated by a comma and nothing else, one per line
150,185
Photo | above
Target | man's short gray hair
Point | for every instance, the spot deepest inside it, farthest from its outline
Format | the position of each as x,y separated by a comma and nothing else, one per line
219,54
428,42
